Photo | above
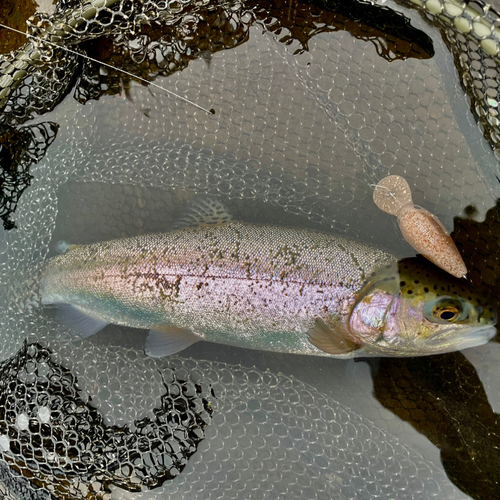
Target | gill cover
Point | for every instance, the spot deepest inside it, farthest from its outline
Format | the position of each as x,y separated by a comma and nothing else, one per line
416,308
369,315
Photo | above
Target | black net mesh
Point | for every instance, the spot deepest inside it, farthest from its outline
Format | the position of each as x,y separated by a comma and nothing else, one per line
59,441
471,32
20,148
269,434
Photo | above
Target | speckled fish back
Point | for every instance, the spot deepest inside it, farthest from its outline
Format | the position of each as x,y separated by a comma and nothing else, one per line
234,283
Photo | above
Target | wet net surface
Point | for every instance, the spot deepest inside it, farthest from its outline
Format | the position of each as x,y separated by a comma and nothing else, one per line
299,137
270,434
402,117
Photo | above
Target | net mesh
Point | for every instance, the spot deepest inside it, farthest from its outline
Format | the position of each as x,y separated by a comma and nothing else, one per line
403,387
375,132
299,137
269,434
21,148
60,442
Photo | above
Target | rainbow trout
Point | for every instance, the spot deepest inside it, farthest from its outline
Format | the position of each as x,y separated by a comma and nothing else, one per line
264,287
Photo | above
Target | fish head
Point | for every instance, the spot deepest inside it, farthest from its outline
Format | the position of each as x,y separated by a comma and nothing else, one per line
413,308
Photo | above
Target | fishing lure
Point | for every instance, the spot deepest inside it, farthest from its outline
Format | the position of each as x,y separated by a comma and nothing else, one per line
421,229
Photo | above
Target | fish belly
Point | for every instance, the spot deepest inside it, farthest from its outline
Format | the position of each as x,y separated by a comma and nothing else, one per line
240,284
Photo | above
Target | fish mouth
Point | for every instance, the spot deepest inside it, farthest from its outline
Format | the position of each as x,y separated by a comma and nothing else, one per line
462,339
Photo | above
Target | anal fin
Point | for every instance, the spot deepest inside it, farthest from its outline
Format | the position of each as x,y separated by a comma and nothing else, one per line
329,340
78,320
165,340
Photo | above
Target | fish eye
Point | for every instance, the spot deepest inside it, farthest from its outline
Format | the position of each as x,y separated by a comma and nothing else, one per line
446,310
448,314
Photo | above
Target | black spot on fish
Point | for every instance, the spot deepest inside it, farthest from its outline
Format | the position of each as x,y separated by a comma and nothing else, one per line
416,282
410,292
402,283
426,290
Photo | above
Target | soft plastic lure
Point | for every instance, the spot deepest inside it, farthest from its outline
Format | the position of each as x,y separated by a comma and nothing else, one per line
421,229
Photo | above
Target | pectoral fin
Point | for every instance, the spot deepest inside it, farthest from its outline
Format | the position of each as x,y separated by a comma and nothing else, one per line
332,341
203,210
78,320
165,340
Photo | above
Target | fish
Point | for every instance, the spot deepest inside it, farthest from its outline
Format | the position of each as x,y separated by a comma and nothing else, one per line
266,287
419,227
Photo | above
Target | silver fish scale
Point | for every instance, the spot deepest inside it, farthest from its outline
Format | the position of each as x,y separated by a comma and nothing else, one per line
291,143
257,280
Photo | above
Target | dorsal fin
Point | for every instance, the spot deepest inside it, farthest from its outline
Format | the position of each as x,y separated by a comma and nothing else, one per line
203,210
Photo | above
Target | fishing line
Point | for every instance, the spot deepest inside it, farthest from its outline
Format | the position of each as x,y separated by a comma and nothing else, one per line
85,56
169,92
272,141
